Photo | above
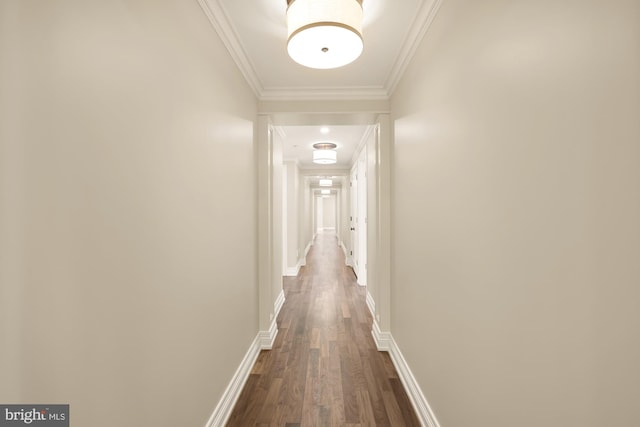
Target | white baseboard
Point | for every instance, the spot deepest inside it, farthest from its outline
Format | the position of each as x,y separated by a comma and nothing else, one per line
263,341
371,304
277,306
230,396
267,338
382,339
303,260
385,342
344,250
293,271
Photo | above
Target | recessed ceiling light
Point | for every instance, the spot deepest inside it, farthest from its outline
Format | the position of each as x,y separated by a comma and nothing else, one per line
326,183
324,130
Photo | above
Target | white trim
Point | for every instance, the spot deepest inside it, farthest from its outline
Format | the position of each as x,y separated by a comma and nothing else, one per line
277,306
371,303
424,18
292,271
344,250
385,342
223,410
303,260
423,410
348,259
224,28
382,339
267,338
222,24
368,93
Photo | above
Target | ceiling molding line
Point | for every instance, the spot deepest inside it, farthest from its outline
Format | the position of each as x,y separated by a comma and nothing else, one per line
330,93
221,23
424,18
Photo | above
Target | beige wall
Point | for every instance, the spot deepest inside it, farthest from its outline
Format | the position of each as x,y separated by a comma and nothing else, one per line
291,205
277,171
306,209
128,211
516,216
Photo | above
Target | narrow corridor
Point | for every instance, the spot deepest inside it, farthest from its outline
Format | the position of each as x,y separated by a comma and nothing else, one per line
324,369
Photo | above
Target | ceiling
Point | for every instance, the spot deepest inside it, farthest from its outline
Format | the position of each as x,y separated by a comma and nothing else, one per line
298,141
255,34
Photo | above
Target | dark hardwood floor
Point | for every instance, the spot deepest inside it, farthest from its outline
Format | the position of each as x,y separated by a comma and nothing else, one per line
324,369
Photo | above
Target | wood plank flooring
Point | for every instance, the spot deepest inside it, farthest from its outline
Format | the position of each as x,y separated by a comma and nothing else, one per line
324,369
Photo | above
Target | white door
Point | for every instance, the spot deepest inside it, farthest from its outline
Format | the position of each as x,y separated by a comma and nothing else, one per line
353,218
362,218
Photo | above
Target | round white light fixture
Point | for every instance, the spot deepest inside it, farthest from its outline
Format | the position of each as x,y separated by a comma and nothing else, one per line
325,157
324,153
326,183
324,33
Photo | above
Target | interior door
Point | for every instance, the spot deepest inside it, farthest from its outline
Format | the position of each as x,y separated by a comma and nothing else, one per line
353,218
362,218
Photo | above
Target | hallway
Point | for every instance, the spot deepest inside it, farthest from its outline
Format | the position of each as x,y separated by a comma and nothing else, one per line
324,368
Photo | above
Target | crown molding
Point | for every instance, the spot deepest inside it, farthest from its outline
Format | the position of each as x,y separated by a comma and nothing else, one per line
324,93
421,24
224,28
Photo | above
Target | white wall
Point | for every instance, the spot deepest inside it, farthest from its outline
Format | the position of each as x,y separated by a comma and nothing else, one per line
291,223
516,186
344,227
306,224
126,254
277,204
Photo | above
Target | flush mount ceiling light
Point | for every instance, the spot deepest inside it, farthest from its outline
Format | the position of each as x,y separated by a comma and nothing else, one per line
324,153
324,33
325,192
326,183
